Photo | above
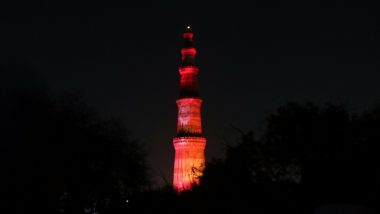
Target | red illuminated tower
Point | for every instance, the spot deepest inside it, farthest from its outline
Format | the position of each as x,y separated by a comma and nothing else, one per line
189,144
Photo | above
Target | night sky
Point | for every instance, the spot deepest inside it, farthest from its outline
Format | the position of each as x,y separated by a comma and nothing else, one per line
123,60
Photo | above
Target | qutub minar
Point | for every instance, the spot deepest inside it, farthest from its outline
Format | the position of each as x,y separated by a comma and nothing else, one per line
189,144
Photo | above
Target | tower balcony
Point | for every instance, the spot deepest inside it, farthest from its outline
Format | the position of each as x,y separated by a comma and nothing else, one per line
188,69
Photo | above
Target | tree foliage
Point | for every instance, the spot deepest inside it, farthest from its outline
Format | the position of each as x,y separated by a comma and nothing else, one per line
308,155
59,156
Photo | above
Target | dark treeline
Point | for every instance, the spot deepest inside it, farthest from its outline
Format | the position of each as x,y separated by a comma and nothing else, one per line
310,159
58,156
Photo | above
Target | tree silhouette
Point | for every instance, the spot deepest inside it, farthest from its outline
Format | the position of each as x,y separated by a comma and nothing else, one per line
59,156
308,155
333,149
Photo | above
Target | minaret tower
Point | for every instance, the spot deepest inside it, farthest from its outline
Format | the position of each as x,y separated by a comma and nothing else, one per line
189,144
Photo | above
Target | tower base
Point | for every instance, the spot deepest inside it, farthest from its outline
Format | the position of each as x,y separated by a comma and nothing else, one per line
189,161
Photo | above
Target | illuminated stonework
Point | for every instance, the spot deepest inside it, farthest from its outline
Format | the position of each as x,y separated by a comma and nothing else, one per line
189,116
189,144
189,161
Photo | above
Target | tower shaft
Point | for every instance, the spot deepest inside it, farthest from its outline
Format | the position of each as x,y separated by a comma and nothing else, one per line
189,144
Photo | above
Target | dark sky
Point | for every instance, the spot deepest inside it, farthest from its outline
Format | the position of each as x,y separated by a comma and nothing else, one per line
123,60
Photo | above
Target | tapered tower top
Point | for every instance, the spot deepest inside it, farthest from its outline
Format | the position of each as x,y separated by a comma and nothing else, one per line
188,30
188,68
